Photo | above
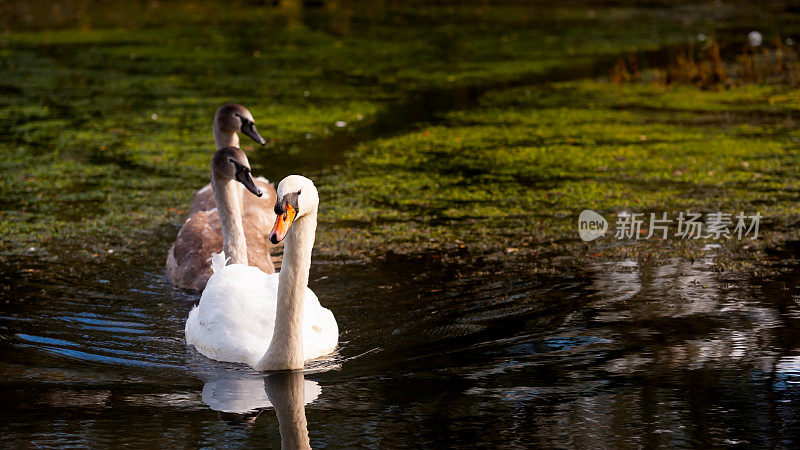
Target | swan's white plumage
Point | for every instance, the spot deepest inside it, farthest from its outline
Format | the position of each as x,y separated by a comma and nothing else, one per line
218,261
235,318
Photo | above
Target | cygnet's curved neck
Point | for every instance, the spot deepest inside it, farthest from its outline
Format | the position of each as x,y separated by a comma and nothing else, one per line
224,138
229,207
286,348
286,392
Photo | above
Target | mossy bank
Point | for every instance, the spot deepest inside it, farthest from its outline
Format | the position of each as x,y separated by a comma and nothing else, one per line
468,130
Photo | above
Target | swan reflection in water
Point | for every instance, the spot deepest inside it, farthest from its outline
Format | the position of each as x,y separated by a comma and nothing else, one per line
245,398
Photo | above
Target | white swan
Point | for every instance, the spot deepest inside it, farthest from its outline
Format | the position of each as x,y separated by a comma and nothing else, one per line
268,321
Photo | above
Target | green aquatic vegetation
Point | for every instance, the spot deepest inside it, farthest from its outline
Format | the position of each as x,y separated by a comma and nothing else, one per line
515,170
105,122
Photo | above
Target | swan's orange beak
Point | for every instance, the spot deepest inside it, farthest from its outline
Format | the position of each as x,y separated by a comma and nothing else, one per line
282,224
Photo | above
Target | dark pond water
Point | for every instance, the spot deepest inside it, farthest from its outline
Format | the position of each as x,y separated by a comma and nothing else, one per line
432,354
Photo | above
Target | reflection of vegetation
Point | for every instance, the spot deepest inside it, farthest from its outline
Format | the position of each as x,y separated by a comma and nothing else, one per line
106,121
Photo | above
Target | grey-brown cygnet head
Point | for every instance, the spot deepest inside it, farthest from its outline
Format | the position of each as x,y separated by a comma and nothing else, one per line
230,163
233,118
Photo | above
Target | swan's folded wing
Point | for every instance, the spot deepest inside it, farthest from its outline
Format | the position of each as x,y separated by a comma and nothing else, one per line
203,200
320,330
188,264
235,317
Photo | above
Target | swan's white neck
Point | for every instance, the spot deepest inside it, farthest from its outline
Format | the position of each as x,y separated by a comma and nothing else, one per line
286,348
229,206
286,392
225,138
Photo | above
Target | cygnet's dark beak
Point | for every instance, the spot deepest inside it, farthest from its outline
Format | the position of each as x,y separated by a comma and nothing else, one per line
249,128
243,176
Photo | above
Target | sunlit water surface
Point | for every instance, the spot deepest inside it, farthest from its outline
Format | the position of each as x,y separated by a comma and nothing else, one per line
431,354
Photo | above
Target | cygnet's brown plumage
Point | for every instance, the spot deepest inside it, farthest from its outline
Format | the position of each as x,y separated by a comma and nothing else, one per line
247,242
